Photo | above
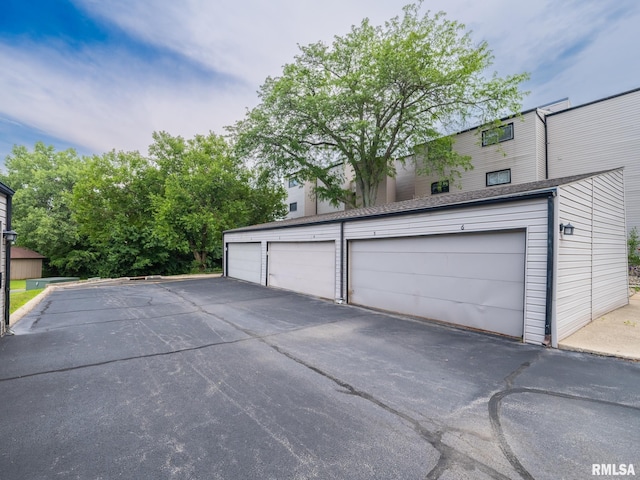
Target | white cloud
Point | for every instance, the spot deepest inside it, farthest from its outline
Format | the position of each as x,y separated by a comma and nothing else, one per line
250,39
606,67
105,99
98,102
253,39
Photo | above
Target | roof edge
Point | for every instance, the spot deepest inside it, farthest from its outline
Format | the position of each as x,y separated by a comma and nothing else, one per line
6,190
407,207
610,97
449,206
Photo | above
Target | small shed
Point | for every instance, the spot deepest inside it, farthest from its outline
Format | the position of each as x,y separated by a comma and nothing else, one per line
25,263
502,259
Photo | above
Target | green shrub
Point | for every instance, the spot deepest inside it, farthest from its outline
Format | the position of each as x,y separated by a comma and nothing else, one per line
633,242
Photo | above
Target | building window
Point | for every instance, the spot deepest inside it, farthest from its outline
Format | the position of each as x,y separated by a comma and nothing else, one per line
293,207
439,187
497,135
293,183
499,177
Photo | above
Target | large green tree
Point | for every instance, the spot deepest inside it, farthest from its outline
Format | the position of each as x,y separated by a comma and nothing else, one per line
43,180
125,214
112,205
371,96
205,191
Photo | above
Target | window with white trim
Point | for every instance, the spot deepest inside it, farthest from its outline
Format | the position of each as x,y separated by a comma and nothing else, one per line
497,135
499,177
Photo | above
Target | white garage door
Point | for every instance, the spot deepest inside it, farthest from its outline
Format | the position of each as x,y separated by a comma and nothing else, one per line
244,261
476,280
305,267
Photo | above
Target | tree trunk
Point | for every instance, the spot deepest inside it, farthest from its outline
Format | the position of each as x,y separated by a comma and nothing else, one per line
369,192
201,259
373,195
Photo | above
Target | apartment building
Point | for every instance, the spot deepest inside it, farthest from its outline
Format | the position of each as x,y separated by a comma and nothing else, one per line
551,141
302,201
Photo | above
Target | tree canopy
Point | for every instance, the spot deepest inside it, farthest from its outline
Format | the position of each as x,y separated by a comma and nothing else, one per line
112,206
369,98
126,214
206,191
43,180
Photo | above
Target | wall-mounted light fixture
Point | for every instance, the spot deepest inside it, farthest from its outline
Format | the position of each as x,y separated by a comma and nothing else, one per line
566,229
9,235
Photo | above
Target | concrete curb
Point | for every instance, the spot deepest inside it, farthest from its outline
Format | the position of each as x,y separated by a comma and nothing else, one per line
600,353
615,334
27,307
31,304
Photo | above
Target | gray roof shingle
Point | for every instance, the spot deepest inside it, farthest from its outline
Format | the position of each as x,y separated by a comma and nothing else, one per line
511,191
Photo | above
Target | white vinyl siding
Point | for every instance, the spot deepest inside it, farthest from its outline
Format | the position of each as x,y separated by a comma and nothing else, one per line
470,279
541,160
316,233
244,261
519,154
530,215
324,206
296,194
596,137
307,203
405,180
591,265
610,270
573,283
305,267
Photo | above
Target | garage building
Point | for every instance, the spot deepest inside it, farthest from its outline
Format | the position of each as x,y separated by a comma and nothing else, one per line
500,260
25,263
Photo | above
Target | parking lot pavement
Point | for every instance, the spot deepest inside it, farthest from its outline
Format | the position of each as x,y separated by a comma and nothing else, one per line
217,378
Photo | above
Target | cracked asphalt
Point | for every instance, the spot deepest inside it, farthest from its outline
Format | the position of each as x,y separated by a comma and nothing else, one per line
220,379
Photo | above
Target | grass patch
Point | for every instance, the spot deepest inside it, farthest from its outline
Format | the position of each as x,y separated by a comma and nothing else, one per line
18,284
18,299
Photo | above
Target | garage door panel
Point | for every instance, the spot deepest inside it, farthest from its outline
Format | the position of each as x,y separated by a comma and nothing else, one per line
244,261
493,266
305,267
436,277
481,243
476,291
305,254
483,317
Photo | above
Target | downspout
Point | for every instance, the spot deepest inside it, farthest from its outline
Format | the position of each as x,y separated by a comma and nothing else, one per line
550,261
7,271
546,151
546,148
225,269
266,264
342,299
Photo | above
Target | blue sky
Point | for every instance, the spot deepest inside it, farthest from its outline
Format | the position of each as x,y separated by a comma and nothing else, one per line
98,75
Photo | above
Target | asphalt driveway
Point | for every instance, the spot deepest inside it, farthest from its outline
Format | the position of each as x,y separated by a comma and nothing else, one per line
216,378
